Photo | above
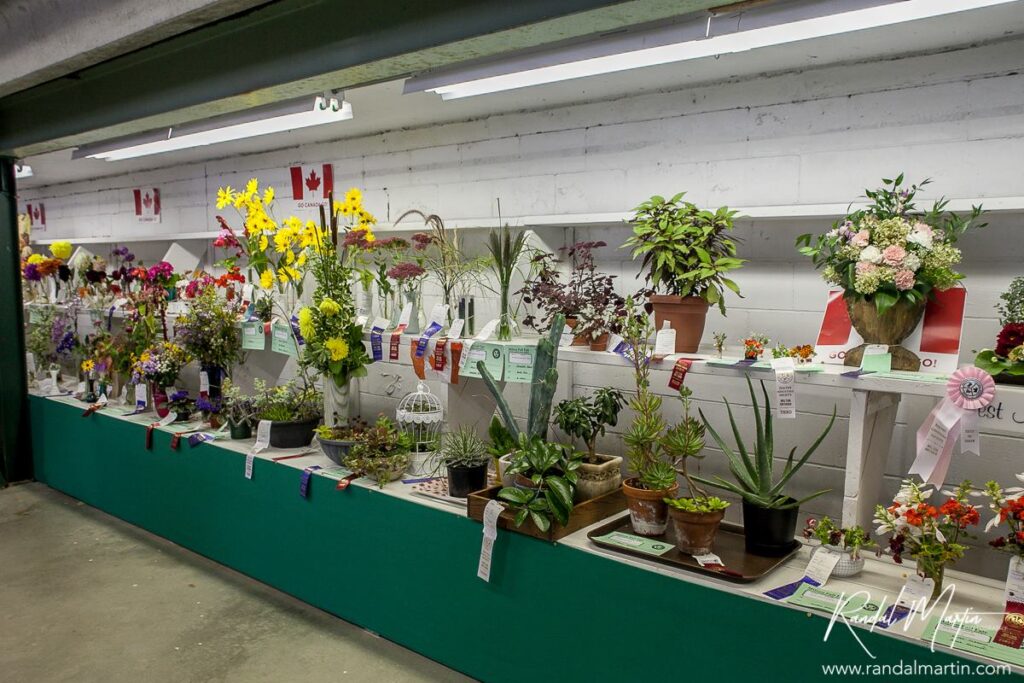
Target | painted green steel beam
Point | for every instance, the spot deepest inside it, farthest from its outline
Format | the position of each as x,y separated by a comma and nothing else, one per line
291,48
15,450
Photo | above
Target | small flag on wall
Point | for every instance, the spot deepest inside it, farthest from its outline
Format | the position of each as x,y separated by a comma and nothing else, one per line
147,205
36,216
312,183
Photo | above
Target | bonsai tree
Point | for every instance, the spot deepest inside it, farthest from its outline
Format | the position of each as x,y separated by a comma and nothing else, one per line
686,251
683,441
586,417
753,470
550,469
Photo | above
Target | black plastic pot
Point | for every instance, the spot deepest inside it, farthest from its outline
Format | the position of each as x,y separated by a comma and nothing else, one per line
769,532
242,430
292,434
463,481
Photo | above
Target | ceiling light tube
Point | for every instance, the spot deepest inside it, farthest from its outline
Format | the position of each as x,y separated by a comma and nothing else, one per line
831,24
255,122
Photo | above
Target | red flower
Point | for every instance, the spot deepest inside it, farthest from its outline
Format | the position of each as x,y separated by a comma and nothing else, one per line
1010,337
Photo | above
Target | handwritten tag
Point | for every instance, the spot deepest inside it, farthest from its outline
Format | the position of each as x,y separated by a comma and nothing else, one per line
204,383
823,563
262,436
917,589
785,387
709,559
491,514
140,396
487,330
250,460
168,419
665,340
405,316
455,331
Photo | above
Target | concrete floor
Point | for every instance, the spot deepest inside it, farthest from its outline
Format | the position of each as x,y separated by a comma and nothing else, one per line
86,597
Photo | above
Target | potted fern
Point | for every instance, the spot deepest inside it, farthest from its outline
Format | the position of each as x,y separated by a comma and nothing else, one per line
687,253
464,455
696,518
585,418
769,513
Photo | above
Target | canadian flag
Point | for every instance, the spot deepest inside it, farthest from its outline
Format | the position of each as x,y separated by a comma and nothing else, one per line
36,216
312,182
936,340
147,205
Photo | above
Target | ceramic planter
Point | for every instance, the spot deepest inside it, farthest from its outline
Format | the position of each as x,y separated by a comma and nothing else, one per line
340,403
599,344
503,464
769,532
335,449
576,340
890,328
292,434
463,481
686,315
421,464
695,531
847,565
596,479
648,512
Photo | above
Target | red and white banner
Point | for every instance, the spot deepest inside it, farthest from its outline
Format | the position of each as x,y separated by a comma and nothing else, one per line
312,183
936,340
147,205
36,216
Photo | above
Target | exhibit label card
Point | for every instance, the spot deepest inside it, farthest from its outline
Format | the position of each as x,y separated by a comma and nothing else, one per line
519,359
281,339
970,637
638,543
253,336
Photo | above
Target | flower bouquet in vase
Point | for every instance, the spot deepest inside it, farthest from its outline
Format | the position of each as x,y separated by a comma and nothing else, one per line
889,259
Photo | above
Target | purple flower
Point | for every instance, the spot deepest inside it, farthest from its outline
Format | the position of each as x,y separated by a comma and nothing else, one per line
208,405
179,395
31,273
406,270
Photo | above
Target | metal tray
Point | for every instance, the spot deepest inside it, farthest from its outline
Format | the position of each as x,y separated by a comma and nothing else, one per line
740,566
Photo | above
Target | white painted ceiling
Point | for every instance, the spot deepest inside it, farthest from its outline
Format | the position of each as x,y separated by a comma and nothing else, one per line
382,107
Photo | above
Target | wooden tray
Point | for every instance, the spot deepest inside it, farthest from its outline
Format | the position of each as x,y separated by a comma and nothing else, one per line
740,566
583,514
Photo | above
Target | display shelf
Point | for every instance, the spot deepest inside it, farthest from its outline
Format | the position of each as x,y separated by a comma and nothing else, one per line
404,566
780,211
130,239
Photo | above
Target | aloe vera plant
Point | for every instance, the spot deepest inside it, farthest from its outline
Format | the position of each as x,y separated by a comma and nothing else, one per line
753,471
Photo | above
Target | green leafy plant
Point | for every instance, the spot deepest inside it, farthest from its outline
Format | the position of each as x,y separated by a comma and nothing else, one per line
379,451
698,505
686,250
754,471
289,402
586,417
506,249
236,406
682,441
551,471
829,533
463,448
343,432
1011,310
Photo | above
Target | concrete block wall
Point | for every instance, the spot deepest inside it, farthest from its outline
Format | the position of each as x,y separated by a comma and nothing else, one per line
818,136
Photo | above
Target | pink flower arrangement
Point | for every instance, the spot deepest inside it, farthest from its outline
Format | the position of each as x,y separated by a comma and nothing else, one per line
865,267
904,280
893,255
861,239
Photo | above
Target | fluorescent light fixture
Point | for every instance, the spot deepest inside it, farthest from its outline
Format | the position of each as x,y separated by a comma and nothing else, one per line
22,171
475,82
252,123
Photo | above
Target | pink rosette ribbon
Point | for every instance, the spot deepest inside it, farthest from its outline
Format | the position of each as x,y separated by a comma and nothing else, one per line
969,390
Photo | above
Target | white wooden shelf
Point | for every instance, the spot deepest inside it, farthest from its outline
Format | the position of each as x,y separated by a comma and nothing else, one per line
130,239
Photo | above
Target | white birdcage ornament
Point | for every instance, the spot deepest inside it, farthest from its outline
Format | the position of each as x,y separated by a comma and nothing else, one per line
421,416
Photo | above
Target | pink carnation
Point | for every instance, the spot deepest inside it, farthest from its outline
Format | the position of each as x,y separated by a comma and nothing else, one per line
865,267
904,279
893,255
924,228
861,239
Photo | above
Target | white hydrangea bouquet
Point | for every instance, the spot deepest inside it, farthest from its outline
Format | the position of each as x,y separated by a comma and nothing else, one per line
889,251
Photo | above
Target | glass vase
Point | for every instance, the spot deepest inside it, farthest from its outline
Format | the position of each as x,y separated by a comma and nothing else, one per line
934,571
506,323
411,297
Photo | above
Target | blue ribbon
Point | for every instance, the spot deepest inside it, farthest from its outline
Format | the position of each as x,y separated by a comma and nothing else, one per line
421,345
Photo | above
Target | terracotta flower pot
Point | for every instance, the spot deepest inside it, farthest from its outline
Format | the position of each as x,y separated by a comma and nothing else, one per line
599,344
890,328
648,512
695,531
686,315
571,323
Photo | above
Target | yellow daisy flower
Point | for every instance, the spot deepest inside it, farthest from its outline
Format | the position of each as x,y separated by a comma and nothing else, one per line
225,196
306,328
264,242
266,279
88,365
268,195
337,347
329,307
354,197
252,187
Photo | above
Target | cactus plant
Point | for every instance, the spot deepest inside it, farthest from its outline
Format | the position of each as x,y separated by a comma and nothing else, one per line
542,388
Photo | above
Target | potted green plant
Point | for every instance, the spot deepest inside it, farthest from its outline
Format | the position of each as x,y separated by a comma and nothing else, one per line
380,452
336,441
654,478
769,513
546,478
889,259
500,445
586,418
696,518
464,455
294,412
239,410
1006,361
845,542
181,405
686,254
